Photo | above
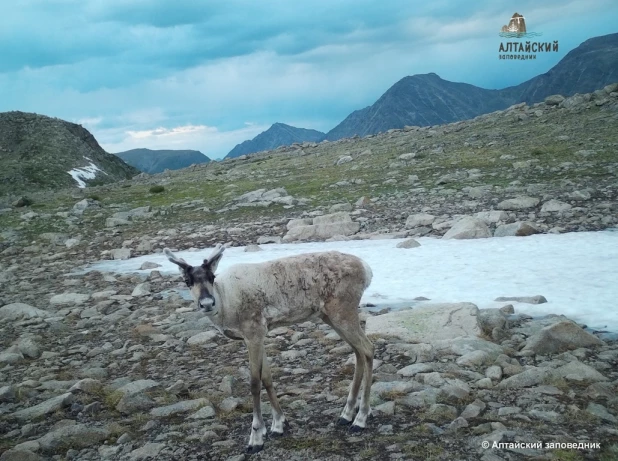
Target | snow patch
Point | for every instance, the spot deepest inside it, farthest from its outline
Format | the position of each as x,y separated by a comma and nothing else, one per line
85,172
576,272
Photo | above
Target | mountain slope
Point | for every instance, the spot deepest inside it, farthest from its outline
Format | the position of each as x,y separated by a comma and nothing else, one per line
277,135
424,99
40,152
156,161
590,66
429,100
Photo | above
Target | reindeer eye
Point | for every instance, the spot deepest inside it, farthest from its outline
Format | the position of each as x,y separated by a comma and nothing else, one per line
189,281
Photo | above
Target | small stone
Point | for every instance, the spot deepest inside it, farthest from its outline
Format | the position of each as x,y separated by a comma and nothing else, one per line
121,253
414,369
71,299
252,248
387,408
202,338
494,373
148,265
409,243
142,289
506,411
523,299
601,412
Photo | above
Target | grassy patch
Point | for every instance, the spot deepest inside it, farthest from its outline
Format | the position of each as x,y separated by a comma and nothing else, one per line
110,398
318,444
424,451
567,455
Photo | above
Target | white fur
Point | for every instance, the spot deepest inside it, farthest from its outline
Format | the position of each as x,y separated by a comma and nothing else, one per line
251,299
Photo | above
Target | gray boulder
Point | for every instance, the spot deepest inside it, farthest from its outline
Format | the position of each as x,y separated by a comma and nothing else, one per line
428,323
252,248
268,239
44,408
323,227
419,219
20,454
75,436
468,228
518,203
491,217
560,337
69,299
299,222
538,299
554,99
121,253
17,311
409,243
516,229
344,159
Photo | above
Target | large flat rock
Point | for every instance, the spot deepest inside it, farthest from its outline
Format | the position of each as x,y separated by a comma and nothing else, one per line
16,311
429,323
44,408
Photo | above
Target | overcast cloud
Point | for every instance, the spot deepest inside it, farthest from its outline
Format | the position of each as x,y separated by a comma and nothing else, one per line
207,75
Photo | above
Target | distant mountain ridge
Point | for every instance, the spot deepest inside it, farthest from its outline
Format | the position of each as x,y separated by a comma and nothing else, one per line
427,99
39,152
156,161
421,100
279,134
590,66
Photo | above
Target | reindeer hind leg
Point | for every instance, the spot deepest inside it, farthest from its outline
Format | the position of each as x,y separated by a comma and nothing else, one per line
279,421
350,333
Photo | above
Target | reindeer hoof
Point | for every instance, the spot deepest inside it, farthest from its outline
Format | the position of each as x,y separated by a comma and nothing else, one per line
355,429
253,449
343,422
286,429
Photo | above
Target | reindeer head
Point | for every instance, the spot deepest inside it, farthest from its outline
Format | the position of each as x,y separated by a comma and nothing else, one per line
200,279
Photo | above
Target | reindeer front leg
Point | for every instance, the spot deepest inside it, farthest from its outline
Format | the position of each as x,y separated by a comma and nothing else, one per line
256,357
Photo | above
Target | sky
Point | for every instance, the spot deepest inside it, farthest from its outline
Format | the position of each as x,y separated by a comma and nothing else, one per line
207,75
476,271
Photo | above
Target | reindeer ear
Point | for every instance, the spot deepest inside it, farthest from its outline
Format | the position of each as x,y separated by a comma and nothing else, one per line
213,260
181,263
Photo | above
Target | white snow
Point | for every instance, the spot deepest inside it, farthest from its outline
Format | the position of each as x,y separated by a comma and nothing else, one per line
576,272
85,172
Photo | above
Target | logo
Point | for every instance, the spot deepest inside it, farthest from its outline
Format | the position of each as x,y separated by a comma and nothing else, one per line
522,50
516,28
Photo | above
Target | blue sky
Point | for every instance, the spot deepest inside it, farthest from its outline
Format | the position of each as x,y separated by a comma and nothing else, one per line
206,75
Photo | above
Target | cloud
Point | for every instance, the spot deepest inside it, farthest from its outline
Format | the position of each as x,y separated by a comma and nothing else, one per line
210,139
194,73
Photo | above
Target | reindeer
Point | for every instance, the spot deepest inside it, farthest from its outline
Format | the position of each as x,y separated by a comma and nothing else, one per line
248,300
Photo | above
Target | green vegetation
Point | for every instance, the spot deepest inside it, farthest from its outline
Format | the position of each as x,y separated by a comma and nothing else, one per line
156,189
470,154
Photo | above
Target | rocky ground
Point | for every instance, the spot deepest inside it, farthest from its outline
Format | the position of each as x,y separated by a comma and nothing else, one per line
103,366
110,368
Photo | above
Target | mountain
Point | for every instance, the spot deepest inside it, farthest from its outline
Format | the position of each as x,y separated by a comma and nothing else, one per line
429,100
590,66
277,135
156,161
424,99
40,152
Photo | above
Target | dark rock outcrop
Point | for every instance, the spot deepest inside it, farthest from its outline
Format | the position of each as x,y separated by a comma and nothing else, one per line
39,152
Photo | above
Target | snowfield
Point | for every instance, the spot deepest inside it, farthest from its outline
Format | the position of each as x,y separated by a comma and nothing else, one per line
576,272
